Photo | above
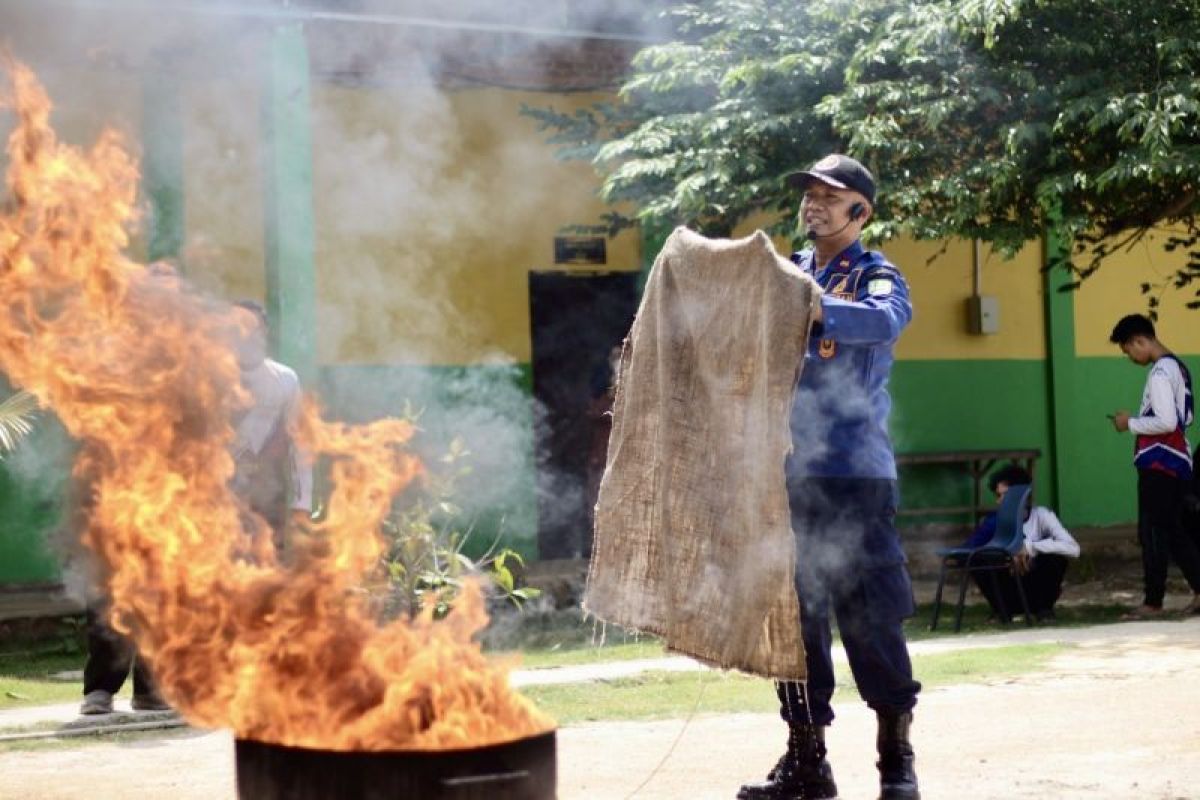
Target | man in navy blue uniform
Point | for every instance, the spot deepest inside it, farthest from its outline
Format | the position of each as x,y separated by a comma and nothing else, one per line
841,478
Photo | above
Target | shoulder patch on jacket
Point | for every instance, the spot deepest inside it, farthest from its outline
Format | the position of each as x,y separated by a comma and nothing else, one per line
880,287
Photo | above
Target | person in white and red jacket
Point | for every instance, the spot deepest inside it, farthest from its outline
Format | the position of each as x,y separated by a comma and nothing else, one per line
1163,460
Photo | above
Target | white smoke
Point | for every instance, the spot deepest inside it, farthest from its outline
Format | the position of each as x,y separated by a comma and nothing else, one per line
391,196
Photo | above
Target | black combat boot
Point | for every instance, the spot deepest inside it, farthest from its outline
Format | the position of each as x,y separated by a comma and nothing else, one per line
802,772
897,778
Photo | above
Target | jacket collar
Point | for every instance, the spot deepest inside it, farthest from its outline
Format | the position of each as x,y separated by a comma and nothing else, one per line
846,259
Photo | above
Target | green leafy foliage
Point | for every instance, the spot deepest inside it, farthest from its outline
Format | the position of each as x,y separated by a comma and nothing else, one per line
424,565
997,120
708,124
986,119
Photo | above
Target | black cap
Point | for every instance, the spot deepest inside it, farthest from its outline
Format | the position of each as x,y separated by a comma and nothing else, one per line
841,172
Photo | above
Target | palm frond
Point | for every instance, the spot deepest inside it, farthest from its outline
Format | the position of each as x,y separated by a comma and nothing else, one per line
16,419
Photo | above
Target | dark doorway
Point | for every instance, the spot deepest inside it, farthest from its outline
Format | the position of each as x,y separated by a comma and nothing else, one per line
577,318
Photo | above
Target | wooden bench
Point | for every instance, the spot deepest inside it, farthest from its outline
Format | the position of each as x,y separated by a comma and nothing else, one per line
977,464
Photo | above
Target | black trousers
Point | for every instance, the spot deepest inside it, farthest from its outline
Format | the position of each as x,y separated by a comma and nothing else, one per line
1162,536
849,566
1042,584
110,658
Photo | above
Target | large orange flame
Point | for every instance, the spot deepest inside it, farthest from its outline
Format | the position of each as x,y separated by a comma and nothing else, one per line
137,369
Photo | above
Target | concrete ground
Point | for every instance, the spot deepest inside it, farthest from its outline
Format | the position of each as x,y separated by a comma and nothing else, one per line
1116,716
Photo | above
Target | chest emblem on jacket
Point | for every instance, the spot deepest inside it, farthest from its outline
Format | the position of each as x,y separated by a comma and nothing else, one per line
843,287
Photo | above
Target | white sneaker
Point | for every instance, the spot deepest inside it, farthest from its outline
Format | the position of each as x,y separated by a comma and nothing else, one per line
97,702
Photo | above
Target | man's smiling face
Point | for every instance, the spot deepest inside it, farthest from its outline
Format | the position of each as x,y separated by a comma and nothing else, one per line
826,208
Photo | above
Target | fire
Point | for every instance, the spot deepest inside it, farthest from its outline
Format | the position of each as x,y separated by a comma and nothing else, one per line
137,368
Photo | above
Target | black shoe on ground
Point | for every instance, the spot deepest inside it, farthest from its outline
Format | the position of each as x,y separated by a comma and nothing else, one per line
897,775
97,702
802,773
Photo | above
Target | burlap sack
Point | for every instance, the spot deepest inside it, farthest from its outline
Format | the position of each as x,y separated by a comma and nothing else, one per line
693,537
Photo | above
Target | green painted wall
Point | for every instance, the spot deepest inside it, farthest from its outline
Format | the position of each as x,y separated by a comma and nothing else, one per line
162,163
938,404
963,405
959,405
1097,471
33,491
489,406
288,201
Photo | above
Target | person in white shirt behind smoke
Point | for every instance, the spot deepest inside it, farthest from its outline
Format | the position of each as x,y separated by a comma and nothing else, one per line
274,473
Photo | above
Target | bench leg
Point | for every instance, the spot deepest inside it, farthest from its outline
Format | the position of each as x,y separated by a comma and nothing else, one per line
937,598
962,599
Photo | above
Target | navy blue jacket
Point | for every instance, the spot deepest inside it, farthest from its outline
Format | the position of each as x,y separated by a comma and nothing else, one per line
841,408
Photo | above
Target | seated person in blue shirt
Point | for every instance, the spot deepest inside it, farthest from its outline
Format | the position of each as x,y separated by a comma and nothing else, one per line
1040,566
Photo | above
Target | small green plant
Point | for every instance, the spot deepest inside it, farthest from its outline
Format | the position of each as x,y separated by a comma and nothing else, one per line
425,565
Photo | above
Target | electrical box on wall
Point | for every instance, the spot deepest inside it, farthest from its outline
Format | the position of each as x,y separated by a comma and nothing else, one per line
983,314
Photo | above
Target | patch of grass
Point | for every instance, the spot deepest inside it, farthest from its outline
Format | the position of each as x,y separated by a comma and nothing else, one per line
67,634
533,641
31,652
668,695
647,647
510,630
983,664
566,639
654,695
975,619
26,678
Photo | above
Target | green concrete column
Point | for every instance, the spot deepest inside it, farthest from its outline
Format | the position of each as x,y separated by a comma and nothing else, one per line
162,161
1061,367
288,196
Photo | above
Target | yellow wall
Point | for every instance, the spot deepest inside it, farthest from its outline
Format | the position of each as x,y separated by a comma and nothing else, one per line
940,288
432,208
941,281
223,250
1115,290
